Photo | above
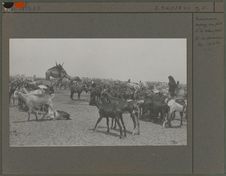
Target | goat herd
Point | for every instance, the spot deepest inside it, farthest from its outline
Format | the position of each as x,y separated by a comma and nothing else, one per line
112,99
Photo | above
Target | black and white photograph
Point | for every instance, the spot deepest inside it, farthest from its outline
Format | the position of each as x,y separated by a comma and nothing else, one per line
98,92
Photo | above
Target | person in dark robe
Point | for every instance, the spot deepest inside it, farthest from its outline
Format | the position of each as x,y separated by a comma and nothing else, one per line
172,86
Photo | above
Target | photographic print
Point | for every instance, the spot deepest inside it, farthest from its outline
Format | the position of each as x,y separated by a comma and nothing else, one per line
98,92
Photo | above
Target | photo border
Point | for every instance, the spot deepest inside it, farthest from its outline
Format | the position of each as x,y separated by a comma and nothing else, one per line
113,1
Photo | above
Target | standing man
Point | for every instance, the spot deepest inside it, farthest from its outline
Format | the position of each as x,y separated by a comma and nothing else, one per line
172,86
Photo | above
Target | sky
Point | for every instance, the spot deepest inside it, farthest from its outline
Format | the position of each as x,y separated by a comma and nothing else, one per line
150,59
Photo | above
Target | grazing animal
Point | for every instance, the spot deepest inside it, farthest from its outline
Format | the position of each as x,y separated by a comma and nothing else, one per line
34,102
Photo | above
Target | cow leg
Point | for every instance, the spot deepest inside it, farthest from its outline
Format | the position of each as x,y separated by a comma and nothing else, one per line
172,116
166,119
141,112
120,127
107,120
36,116
115,125
138,124
79,94
98,121
123,125
29,115
51,111
134,123
72,94
112,123
181,118
44,110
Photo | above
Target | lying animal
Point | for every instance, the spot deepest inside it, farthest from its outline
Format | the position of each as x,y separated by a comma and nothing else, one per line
61,115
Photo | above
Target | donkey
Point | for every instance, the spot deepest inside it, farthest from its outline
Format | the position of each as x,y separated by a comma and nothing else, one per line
56,72
78,87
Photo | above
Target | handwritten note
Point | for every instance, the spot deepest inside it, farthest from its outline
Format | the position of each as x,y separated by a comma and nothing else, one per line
208,31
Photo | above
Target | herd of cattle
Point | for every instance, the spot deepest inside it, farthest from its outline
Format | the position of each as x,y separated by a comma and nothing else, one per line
112,98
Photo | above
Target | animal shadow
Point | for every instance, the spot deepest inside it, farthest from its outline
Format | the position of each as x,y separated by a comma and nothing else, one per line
79,99
153,120
25,121
105,131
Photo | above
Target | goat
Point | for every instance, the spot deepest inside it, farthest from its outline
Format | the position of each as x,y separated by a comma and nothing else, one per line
107,110
35,102
175,106
15,97
130,106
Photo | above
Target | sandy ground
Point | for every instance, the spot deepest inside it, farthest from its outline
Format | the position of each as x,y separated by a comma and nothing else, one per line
78,131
